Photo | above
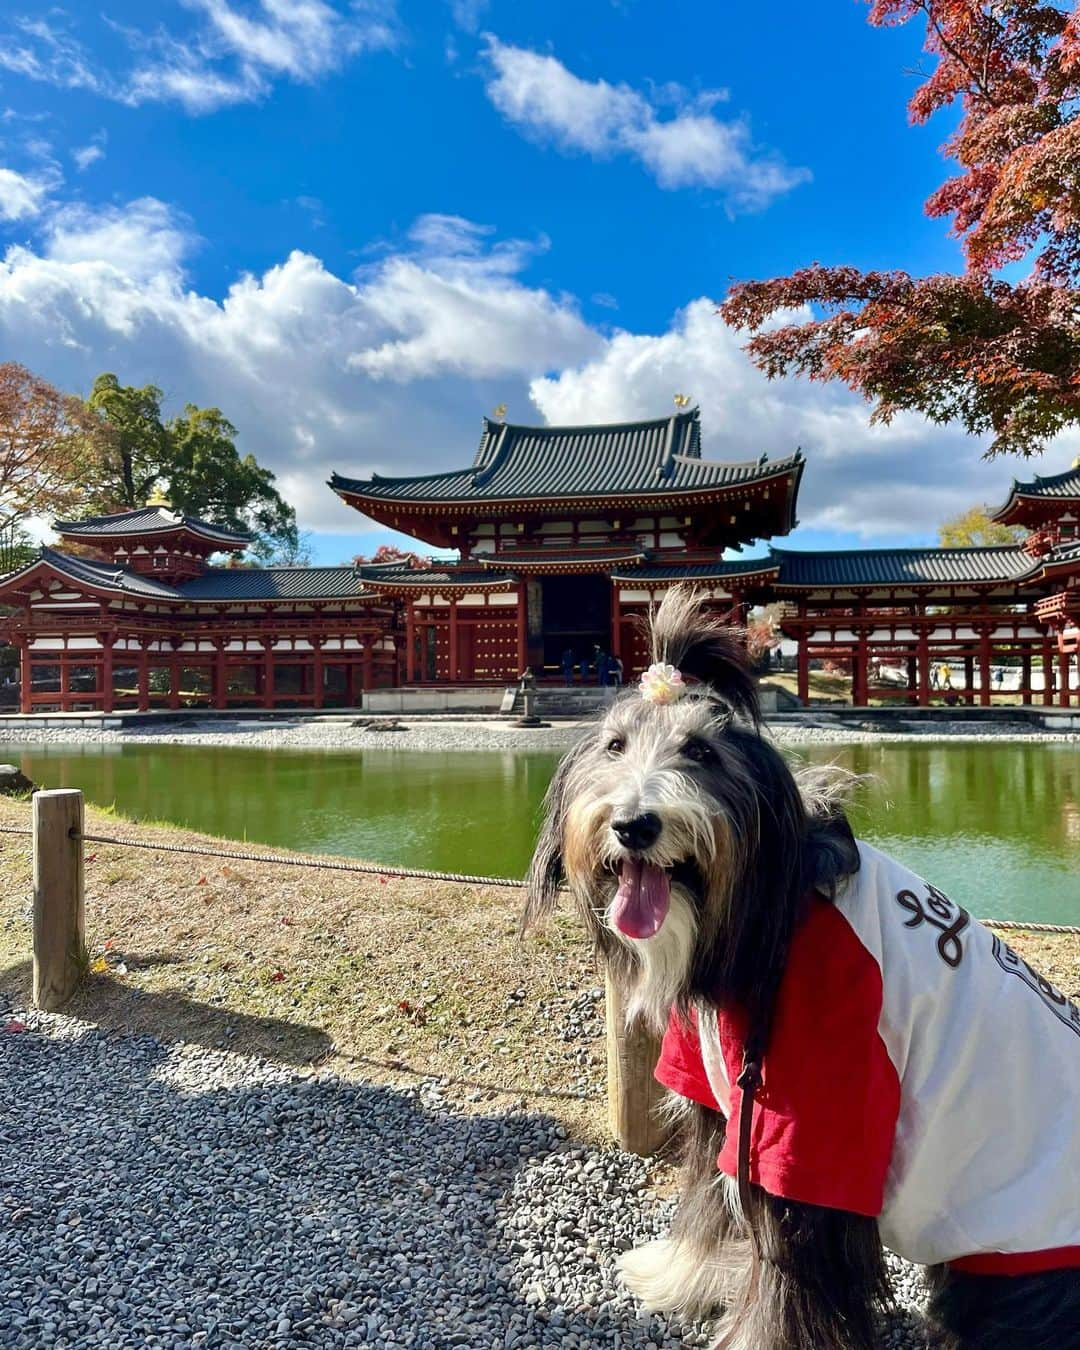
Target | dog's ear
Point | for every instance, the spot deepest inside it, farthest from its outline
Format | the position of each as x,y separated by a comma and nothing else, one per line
545,873
701,644
831,853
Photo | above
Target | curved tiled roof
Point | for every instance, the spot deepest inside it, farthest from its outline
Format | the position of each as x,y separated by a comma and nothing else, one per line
529,463
151,520
1061,486
215,585
717,571
276,583
531,559
103,575
414,578
901,566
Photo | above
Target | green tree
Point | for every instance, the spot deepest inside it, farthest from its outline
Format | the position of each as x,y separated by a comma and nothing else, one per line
207,477
193,459
134,446
974,528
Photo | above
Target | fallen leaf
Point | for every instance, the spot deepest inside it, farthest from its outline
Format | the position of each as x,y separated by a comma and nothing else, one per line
14,1026
99,965
107,945
287,920
91,857
201,881
278,976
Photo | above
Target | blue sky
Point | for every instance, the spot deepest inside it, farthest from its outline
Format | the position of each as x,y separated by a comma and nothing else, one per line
357,228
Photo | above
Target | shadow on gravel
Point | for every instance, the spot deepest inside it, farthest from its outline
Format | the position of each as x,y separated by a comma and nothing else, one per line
155,1191
170,1016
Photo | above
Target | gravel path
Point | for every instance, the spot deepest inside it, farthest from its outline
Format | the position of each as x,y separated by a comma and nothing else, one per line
171,1196
447,735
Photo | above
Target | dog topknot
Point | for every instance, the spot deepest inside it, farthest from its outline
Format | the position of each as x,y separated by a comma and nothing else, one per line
700,643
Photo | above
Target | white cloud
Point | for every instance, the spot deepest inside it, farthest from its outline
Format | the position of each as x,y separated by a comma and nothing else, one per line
387,371
22,196
689,148
232,54
391,370
467,13
90,153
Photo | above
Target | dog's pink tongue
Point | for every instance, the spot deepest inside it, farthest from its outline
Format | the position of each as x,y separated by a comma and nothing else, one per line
642,900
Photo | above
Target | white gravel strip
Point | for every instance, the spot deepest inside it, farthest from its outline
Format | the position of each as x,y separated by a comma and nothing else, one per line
452,736
174,1196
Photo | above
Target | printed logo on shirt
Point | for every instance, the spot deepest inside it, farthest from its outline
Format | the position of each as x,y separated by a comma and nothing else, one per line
939,912
1055,1000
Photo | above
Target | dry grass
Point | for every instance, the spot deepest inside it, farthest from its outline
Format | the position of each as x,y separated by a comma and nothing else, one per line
389,977
386,977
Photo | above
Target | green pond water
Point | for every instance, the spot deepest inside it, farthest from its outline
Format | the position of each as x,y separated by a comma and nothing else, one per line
997,826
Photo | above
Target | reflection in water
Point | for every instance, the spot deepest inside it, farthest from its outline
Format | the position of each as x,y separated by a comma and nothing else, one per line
996,826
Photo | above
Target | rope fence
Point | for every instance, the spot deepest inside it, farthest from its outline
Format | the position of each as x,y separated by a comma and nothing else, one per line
418,873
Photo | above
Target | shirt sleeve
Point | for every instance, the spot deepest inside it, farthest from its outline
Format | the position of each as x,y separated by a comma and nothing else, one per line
680,1067
825,1116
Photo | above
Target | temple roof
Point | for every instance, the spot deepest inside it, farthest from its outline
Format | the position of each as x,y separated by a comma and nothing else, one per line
435,578
902,566
718,571
275,583
151,520
218,584
627,459
1060,486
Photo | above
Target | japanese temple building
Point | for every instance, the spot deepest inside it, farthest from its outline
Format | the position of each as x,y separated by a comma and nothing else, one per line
562,538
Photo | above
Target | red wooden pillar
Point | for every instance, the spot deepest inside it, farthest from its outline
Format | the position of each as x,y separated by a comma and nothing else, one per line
317,673
1025,675
969,679
410,643
616,622
143,703
367,668
860,685
803,662
268,673
350,684
736,606
1048,672
522,626
1064,662
105,672
984,668
220,699
453,643
174,679
924,668
912,678
25,676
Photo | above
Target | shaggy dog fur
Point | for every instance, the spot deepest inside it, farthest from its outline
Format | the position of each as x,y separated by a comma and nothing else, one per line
742,841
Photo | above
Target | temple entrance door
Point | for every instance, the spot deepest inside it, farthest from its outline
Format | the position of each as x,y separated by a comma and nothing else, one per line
576,614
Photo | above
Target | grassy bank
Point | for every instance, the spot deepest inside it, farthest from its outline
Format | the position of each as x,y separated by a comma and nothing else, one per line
387,977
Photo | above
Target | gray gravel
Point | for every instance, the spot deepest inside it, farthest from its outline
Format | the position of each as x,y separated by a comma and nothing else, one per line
448,735
173,1196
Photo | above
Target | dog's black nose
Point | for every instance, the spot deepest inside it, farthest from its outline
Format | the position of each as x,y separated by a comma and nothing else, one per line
639,832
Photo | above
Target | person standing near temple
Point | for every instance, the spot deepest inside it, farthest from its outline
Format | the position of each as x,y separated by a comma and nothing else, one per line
568,662
603,665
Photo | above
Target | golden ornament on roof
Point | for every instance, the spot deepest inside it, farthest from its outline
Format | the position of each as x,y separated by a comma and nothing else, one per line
682,400
500,412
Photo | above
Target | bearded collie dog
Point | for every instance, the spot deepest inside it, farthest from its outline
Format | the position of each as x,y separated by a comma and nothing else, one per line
853,1061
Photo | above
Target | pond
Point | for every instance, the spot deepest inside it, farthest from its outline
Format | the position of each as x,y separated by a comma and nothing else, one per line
997,826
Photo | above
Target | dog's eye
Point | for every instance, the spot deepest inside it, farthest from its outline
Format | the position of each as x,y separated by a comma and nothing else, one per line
701,752
616,745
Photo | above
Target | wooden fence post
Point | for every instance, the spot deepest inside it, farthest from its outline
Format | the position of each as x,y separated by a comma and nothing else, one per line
633,1092
59,940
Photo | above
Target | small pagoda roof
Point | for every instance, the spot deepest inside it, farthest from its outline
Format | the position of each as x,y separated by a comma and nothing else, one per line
1063,487
151,520
902,567
627,459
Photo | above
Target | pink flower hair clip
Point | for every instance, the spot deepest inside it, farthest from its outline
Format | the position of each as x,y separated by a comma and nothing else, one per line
662,684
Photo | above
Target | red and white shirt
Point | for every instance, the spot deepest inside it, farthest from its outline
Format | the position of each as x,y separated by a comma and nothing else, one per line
918,1071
